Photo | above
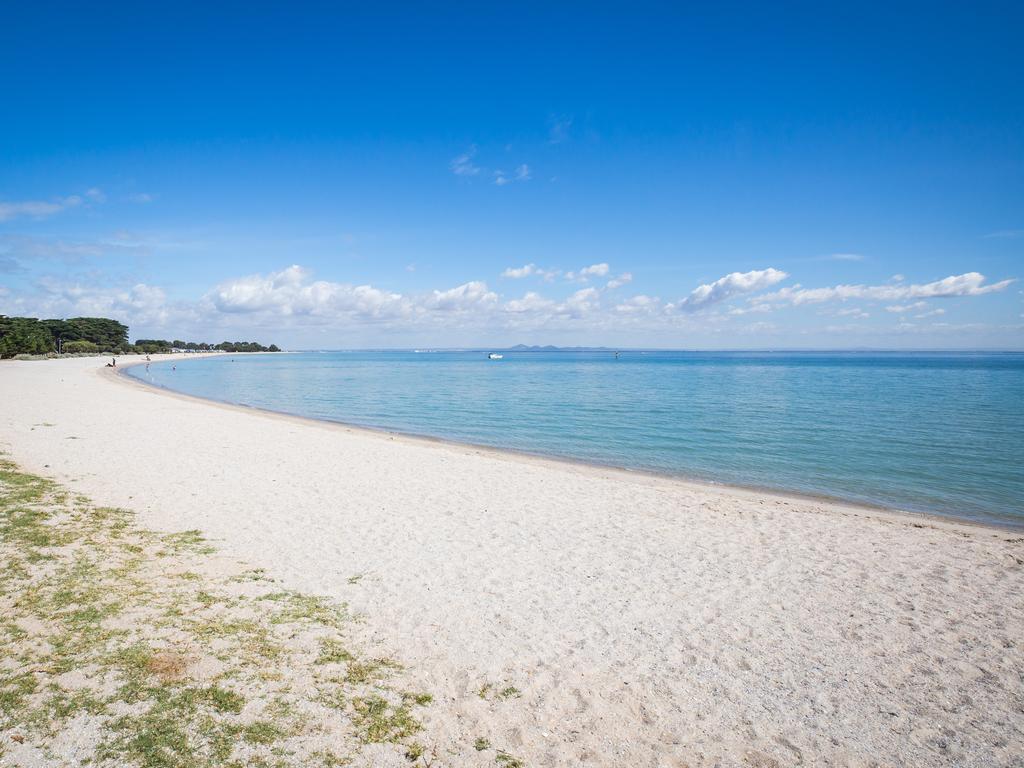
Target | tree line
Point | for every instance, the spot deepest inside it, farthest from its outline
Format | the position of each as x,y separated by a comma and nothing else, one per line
30,336
153,346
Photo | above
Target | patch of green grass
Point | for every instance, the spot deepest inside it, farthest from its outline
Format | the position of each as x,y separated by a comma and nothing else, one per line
333,652
14,689
11,632
326,759
205,599
62,705
157,739
508,692
262,732
133,663
362,672
481,744
335,698
141,631
253,574
378,721
311,608
250,637
28,527
506,760
414,752
174,732
221,699
188,541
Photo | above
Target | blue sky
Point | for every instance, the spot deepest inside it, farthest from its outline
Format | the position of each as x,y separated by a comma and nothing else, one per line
690,176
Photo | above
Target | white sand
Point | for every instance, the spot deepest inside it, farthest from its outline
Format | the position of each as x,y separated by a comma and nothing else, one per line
646,621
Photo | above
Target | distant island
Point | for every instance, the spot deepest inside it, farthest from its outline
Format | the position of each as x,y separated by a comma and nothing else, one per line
96,335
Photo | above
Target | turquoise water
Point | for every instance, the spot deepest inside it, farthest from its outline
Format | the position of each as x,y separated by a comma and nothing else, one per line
940,433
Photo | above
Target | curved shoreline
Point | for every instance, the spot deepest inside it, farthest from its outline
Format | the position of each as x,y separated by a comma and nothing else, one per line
836,502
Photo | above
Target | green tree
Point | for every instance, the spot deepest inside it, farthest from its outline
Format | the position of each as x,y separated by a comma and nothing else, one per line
81,345
108,335
24,336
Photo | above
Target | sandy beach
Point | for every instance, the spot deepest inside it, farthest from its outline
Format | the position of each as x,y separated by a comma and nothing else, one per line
589,616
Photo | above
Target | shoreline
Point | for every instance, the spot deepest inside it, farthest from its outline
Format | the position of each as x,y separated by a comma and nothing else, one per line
839,503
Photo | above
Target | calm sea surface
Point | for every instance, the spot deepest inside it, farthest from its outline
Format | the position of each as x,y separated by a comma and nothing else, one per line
927,432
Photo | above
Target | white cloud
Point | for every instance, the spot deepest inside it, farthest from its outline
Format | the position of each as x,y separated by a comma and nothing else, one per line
733,284
290,292
639,304
900,308
755,309
37,248
139,303
39,209
621,280
140,197
530,270
530,303
855,312
463,164
518,272
1005,234
521,173
968,284
583,275
583,301
291,304
843,257
559,129
465,297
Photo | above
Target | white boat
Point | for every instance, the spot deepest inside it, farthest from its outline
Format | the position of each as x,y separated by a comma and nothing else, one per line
494,356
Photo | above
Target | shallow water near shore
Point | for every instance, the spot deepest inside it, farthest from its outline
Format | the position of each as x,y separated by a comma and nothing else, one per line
928,432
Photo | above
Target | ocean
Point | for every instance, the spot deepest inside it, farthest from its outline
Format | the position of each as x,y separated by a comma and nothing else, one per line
940,433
